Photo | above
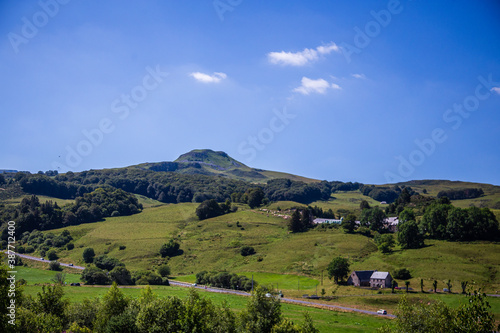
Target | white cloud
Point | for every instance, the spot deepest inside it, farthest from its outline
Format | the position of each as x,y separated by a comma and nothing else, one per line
206,78
303,57
318,86
293,59
358,76
335,86
327,49
496,89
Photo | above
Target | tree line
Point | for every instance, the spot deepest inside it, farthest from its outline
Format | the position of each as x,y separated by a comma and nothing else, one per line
225,280
385,193
444,221
460,194
437,219
30,214
172,187
211,208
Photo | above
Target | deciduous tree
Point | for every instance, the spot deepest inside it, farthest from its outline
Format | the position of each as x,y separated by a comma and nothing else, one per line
338,269
169,249
349,223
409,235
88,255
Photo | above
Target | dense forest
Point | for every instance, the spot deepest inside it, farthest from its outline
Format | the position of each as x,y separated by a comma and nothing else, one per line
170,187
464,193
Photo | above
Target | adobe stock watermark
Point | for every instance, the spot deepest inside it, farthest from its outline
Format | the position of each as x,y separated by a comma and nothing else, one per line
223,6
11,280
121,107
30,28
255,143
372,29
453,116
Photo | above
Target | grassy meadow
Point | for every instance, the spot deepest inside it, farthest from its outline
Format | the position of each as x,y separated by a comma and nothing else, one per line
41,276
42,198
293,263
214,244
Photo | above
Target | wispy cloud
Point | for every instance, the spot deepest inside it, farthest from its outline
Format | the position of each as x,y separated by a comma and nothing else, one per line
303,57
315,86
358,76
496,89
206,78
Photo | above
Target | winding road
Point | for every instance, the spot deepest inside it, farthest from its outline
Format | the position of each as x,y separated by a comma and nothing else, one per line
44,260
287,300
240,293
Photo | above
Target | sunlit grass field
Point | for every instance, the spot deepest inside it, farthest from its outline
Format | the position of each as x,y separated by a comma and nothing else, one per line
214,245
40,276
293,263
42,198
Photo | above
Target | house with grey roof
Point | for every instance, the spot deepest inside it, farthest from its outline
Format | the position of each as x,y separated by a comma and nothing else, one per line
392,223
380,280
373,279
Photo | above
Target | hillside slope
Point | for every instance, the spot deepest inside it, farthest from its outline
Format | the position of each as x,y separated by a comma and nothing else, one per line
490,199
214,244
218,163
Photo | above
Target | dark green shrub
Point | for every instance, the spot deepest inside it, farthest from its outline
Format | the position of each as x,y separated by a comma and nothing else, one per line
169,249
401,274
121,276
147,277
247,250
164,270
122,323
107,263
55,266
94,275
88,255
52,255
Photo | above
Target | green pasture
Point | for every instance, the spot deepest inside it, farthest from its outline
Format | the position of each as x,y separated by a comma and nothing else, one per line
39,276
42,198
214,245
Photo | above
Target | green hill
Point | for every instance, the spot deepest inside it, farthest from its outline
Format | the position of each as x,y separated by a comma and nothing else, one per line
218,163
214,244
490,199
293,262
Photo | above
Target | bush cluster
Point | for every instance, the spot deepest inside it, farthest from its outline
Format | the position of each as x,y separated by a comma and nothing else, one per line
225,280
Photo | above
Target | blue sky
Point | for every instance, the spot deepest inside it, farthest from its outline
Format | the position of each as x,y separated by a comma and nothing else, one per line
369,91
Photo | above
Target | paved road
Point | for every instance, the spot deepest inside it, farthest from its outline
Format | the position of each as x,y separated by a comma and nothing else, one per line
334,307
43,260
240,293
287,300
211,289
